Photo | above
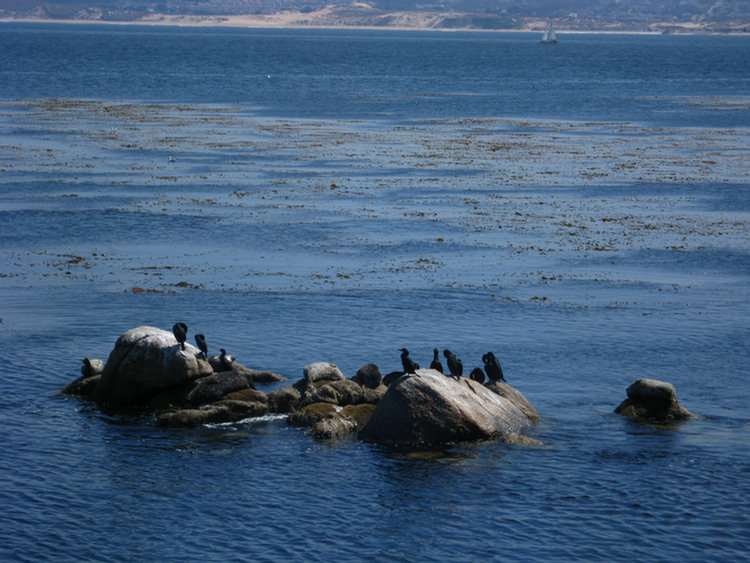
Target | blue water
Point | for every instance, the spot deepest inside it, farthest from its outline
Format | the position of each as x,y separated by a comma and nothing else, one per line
581,209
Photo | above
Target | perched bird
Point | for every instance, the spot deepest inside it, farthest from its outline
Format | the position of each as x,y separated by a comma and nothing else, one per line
225,362
200,340
454,364
436,365
409,365
477,375
492,367
180,333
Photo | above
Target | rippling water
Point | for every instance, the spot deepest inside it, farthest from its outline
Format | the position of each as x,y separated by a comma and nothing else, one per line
378,195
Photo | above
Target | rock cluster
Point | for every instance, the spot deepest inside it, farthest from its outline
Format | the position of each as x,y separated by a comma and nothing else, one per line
149,370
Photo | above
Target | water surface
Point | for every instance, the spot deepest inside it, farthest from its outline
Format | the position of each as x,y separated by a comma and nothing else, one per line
298,196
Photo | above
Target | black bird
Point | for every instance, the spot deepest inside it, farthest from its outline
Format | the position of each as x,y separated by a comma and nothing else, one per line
180,333
200,340
492,367
436,365
454,364
477,375
225,362
409,365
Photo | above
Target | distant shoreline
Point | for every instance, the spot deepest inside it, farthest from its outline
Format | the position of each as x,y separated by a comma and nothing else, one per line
317,20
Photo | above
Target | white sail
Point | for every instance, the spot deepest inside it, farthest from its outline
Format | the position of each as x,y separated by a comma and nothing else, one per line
549,36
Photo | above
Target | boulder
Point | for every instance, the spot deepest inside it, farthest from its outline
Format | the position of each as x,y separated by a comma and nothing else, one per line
326,420
145,361
368,376
430,408
339,392
215,387
322,371
309,415
651,399
306,391
288,398
361,414
249,394
373,396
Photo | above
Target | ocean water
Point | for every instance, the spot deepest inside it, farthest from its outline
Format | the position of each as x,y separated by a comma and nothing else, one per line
580,209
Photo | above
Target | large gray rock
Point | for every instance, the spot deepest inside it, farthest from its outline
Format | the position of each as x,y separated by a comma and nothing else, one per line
651,399
144,362
430,408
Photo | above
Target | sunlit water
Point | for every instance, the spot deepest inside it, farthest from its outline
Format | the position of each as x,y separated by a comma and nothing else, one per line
582,211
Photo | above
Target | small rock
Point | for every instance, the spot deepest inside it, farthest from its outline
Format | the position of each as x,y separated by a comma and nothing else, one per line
83,386
90,368
651,399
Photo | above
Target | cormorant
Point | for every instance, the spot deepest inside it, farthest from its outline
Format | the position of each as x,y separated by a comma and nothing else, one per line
436,365
454,364
492,367
477,375
225,362
409,365
180,333
200,340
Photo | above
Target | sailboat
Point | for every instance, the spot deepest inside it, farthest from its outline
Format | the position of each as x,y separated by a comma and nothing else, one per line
549,35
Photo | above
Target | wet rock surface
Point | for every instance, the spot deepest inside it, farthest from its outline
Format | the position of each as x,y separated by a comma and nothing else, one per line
654,400
431,408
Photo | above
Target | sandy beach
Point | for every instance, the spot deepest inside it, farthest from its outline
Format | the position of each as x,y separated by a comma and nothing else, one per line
361,16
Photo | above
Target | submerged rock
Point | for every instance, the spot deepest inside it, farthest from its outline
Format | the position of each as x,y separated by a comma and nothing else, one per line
83,386
651,399
430,408
224,411
145,361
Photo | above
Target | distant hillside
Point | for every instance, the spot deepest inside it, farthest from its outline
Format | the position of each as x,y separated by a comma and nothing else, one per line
610,15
